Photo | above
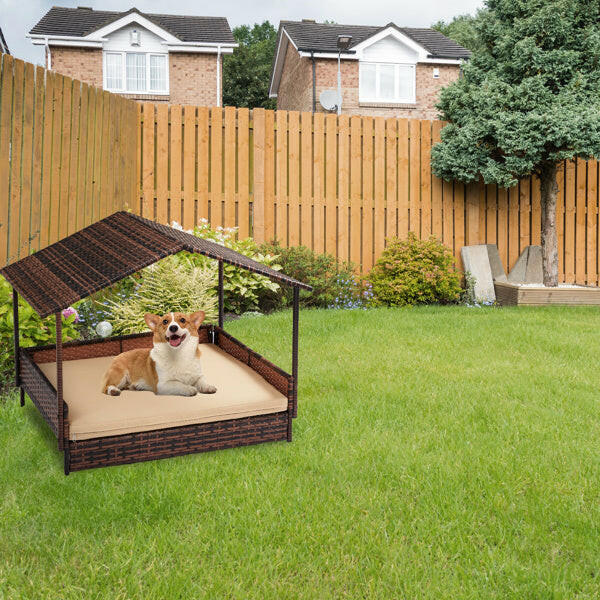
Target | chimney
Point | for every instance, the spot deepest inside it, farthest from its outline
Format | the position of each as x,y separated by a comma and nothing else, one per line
308,21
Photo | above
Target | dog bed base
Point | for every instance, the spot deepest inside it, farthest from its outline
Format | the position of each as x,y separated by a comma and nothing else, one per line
159,443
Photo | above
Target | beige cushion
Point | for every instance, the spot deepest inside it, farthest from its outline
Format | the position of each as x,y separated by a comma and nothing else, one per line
240,393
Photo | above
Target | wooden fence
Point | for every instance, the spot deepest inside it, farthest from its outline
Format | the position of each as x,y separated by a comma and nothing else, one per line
71,154
345,184
67,156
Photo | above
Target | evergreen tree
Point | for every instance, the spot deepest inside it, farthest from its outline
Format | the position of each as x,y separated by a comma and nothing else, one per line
528,99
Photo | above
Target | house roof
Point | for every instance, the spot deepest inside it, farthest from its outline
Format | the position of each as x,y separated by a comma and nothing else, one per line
106,252
80,22
308,36
3,45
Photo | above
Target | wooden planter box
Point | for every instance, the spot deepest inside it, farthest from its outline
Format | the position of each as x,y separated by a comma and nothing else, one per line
509,294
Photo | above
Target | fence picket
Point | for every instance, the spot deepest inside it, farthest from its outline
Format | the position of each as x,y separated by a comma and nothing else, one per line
189,168
16,145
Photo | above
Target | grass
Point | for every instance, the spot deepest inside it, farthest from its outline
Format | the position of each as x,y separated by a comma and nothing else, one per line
438,453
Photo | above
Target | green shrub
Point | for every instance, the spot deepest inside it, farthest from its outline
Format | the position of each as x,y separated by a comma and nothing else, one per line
415,271
329,279
243,290
174,283
33,331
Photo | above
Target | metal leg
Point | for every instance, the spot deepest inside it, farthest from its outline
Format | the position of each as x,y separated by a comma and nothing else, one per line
67,457
220,291
16,344
59,380
295,318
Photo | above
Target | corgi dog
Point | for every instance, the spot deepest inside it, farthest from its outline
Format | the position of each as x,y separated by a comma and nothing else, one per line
170,367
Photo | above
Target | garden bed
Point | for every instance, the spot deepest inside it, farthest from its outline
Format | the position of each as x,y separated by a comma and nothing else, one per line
510,294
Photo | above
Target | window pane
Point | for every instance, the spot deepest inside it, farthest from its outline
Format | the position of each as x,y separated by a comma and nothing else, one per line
406,82
114,72
158,73
387,82
367,81
136,72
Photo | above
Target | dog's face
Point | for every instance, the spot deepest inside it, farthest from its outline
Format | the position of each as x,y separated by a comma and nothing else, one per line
174,328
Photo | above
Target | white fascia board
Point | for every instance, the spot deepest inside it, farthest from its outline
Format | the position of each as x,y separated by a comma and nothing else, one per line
214,45
278,67
305,54
289,38
198,49
64,40
133,18
443,61
420,50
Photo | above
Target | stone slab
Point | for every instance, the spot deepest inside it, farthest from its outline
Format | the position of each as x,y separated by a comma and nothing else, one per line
517,273
534,273
528,268
476,261
498,273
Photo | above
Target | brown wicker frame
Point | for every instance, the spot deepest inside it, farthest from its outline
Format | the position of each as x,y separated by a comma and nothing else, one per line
162,443
102,254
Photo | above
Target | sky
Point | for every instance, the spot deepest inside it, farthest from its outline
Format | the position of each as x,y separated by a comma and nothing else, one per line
17,17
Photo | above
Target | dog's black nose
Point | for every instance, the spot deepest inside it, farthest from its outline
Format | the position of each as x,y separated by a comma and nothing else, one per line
173,328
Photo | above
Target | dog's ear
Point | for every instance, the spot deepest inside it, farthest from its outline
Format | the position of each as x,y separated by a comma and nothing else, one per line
197,318
151,320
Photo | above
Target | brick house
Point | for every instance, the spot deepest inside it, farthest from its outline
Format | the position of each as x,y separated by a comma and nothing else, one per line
386,71
170,58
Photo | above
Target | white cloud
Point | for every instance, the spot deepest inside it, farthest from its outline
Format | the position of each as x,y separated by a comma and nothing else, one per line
17,17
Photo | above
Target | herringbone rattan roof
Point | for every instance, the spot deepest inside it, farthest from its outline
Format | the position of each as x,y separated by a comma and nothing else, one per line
106,252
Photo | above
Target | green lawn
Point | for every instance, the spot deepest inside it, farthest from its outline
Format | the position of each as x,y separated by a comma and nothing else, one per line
438,453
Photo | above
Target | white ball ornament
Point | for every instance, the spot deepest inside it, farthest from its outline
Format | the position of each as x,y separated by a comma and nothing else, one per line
104,329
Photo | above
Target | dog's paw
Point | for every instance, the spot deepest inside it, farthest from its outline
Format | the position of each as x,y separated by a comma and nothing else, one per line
113,390
190,391
208,389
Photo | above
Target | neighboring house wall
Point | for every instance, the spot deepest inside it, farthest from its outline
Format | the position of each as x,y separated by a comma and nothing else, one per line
192,76
417,89
84,64
295,88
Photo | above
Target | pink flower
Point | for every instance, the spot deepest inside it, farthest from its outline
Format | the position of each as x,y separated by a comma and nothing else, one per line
67,312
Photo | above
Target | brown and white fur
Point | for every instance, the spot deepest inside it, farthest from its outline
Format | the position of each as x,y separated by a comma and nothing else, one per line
170,367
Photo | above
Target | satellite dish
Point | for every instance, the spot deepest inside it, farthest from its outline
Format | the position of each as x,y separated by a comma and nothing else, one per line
330,100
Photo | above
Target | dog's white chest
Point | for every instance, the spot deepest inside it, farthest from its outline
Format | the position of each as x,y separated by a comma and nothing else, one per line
180,365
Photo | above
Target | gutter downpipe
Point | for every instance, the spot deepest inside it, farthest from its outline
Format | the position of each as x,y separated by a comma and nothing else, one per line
339,84
48,56
218,74
314,81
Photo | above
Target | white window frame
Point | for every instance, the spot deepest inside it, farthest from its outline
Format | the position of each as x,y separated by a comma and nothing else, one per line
412,99
122,89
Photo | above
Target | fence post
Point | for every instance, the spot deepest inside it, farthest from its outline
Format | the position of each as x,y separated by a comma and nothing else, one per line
258,207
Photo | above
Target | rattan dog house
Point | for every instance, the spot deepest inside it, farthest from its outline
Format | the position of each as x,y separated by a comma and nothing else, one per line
256,400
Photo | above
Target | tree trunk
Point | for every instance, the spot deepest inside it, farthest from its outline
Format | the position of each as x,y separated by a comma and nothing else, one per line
549,190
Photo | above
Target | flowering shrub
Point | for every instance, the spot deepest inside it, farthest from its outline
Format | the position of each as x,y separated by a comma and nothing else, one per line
243,290
33,331
415,271
329,279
